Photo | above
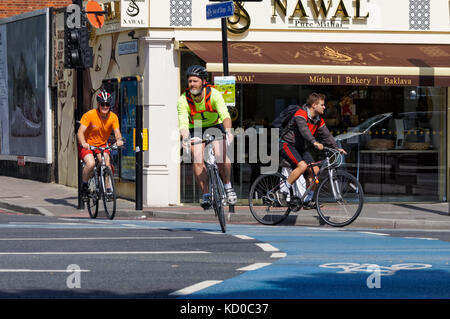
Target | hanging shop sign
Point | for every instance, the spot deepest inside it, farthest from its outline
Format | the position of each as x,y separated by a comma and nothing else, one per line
134,13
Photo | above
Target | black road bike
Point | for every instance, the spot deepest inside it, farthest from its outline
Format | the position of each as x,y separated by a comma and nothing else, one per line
338,195
101,186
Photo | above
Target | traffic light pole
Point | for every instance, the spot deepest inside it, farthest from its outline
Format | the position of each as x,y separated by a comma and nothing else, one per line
78,115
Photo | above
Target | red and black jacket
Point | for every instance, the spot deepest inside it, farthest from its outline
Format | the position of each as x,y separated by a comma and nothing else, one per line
302,131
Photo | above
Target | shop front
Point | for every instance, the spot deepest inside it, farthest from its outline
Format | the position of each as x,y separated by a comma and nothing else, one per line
383,66
386,108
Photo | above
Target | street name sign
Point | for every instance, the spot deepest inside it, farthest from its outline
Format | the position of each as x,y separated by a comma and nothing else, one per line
219,10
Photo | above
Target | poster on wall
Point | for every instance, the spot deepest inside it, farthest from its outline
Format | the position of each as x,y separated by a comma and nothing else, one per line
129,100
27,74
4,116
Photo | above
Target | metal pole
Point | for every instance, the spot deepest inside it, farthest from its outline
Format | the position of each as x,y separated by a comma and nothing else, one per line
224,47
78,115
226,73
139,158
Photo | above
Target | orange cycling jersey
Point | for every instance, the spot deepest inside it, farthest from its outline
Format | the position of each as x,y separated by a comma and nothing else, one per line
98,130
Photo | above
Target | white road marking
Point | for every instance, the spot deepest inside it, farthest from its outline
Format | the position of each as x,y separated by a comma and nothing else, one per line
372,233
245,237
194,288
267,247
40,270
423,238
254,266
91,238
105,253
278,255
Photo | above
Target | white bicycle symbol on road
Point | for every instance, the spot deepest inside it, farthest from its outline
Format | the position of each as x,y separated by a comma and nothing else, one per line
352,268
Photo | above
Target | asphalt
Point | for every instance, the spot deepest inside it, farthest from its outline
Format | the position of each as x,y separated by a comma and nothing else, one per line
50,199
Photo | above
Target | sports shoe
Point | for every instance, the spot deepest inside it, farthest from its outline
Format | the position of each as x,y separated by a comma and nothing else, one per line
84,191
310,205
231,196
205,202
283,198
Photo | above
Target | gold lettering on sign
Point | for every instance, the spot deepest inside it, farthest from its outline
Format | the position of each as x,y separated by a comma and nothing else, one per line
299,10
321,9
358,10
240,21
245,78
396,80
341,11
318,8
357,80
320,79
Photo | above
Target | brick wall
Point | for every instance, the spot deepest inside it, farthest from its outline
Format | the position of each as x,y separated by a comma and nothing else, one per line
14,7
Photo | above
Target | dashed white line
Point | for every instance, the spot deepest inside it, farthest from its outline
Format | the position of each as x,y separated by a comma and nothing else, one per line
245,237
423,238
278,255
267,247
92,238
254,266
372,233
105,253
39,270
194,288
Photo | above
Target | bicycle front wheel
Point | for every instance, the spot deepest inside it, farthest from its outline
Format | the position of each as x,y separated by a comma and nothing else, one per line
264,199
108,193
341,203
92,198
218,198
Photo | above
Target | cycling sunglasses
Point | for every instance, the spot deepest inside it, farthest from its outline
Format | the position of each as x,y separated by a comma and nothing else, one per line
105,104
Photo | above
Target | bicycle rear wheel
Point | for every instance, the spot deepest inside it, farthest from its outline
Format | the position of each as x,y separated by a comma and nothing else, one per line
92,198
218,198
341,207
264,201
108,193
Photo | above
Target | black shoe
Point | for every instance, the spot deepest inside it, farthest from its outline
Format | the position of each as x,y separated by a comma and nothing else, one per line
84,191
206,202
310,205
283,198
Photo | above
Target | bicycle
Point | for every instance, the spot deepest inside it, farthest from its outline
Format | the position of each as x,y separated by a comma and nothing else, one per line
216,187
101,186
339,196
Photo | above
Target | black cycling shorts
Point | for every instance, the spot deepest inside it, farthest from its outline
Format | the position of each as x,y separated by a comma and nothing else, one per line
293,155
216,130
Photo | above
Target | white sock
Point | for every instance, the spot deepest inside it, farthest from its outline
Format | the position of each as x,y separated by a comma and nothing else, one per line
285,187
227,186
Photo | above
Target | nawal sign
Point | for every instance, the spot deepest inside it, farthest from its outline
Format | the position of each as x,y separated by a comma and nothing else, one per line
134,13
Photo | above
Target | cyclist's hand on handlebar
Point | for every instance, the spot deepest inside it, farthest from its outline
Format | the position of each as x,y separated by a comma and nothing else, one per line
86,146
119,142
229,137
318,146
342,151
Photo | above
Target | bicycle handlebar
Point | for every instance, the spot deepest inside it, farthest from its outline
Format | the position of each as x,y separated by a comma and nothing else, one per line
208,139
103,148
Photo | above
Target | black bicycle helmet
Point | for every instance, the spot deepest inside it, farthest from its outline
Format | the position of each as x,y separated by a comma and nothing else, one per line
197,70
104,97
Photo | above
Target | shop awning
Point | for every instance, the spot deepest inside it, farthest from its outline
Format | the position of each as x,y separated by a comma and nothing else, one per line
329,63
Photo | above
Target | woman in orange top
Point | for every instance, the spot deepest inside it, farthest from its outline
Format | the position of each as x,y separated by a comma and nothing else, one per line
96,126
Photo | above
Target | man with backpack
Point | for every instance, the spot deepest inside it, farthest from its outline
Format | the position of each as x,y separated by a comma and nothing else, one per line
202,107
300,126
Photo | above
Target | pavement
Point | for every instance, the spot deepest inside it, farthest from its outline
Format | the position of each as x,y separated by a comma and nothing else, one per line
50,199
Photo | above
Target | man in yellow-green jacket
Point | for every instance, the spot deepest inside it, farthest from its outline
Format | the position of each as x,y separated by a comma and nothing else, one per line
201,107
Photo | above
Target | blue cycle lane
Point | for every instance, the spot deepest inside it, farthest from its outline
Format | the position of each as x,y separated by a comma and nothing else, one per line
334,264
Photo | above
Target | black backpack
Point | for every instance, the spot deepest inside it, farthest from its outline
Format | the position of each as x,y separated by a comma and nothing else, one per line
282,120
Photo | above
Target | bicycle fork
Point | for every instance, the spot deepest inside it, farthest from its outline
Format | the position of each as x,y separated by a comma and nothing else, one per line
335,187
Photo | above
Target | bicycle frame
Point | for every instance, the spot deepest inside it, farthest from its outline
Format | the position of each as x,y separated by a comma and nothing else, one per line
324,164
